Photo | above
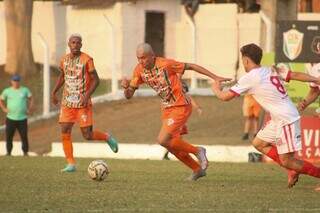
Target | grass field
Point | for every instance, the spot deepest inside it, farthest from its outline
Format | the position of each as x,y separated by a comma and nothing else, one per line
35,184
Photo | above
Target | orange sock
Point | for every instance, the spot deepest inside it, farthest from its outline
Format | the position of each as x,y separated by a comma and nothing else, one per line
99,136
187,160
67,147
177,144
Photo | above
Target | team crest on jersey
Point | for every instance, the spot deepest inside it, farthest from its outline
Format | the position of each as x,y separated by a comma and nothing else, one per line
292,43
170,121
84,118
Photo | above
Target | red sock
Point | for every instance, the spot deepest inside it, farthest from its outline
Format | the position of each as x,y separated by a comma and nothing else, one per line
310,169
99,136
187,160
273,154
67,147
178,145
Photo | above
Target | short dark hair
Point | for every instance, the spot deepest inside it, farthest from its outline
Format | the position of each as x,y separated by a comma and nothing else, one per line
252,51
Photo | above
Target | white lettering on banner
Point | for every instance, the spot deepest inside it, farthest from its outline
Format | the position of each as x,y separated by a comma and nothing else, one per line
307,136
316,138
308,152
317,152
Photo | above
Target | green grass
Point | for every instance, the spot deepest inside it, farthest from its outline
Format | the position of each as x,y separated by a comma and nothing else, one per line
36,185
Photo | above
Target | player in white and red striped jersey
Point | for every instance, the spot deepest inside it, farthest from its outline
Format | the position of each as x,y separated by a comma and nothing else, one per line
280,138
313,94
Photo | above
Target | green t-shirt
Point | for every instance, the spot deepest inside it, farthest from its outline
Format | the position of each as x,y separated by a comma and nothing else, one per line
16,102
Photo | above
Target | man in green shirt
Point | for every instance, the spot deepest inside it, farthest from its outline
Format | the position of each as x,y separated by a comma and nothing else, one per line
16,101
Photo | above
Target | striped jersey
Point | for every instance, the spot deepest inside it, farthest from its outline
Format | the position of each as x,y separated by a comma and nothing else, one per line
164,78
77,78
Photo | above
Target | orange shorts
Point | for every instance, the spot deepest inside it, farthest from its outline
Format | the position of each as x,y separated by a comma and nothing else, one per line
83,116
250,107
174,119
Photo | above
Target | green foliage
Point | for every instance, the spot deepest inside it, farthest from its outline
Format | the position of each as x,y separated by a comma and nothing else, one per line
35,184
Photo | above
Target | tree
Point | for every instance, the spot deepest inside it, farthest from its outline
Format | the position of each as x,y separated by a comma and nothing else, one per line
19,57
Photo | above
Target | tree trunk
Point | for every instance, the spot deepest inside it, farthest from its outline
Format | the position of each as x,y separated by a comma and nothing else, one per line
18,24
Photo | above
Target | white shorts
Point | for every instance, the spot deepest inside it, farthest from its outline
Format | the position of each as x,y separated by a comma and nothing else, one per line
286,138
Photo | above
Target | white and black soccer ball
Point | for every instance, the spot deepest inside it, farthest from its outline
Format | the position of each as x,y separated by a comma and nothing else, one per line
98,170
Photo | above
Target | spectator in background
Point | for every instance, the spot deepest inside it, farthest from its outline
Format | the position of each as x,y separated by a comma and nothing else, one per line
17,102
251,110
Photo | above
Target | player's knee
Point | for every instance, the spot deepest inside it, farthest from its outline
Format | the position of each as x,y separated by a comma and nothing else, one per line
163,141
87,135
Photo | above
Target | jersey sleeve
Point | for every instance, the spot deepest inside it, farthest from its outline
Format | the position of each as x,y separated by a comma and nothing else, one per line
283,72
136,78
90,65
245,83
175,66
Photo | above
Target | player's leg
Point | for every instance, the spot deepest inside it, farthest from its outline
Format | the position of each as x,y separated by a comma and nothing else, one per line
246,114
22,127
10,129
255,122
66,119
291,143
66,129
173,121
84,118
265,143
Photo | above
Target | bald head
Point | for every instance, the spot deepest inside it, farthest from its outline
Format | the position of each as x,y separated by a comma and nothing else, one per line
145,55
145,48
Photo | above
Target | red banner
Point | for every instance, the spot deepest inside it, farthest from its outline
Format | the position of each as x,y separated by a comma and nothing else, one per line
310,133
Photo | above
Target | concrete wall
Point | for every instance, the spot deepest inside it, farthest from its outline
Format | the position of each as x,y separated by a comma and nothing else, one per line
220,33
96,33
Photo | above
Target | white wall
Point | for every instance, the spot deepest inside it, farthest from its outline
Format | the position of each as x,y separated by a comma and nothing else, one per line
249,32
92,25
221,31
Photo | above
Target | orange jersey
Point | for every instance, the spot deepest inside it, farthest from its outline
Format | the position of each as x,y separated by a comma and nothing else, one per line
164,79
77,79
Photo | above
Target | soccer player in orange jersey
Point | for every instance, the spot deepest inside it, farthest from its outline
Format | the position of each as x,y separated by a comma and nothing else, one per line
80,79
162,75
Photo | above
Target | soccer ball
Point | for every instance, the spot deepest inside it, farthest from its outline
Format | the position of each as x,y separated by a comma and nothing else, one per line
98,170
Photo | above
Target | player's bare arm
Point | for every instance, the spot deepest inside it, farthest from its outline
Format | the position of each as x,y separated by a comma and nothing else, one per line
127,89
299,76
30,105
313,94
304,77
203,71
59,84
222,95
3,106
196,106
94,79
